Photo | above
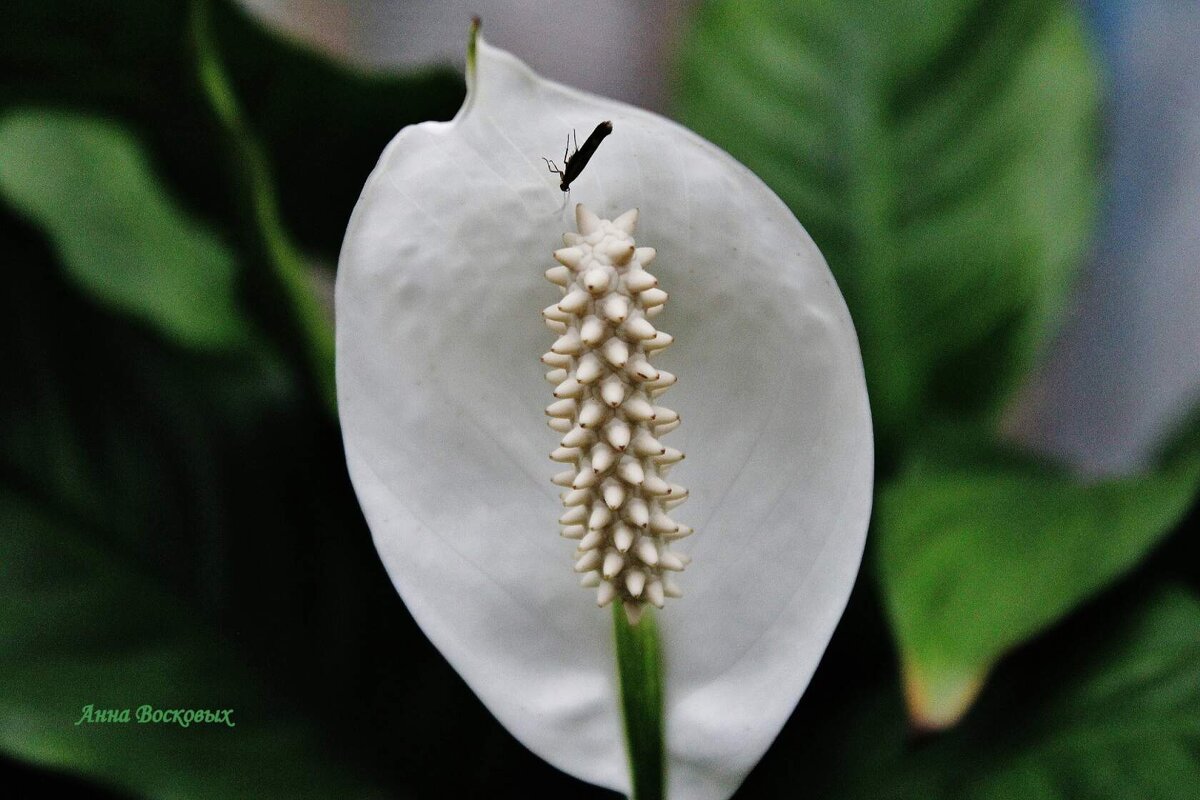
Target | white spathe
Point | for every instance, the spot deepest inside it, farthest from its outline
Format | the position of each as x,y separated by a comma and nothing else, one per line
440,289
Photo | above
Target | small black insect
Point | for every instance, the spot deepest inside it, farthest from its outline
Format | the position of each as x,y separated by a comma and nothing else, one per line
574,163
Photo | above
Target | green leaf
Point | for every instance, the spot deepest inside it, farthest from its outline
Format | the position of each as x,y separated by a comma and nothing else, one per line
941,155
639,674
287,266
976,557
1115,715
87,184
323,124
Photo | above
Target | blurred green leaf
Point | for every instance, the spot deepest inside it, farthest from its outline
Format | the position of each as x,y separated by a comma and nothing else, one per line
1116,716
942,157
320,127
133,472
323,124
87,185
292,276
976,557
84,624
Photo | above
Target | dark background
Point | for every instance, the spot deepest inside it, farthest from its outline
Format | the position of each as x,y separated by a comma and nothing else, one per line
176,523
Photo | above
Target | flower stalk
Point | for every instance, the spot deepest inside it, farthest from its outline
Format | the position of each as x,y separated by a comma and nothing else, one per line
639,672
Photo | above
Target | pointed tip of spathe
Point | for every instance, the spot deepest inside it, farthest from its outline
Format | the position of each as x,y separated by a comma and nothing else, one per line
473,47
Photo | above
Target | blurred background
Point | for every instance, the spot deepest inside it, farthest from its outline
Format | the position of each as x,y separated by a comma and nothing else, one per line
1007,191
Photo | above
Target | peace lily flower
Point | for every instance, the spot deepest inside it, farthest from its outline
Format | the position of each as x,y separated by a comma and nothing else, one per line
617,494
441,287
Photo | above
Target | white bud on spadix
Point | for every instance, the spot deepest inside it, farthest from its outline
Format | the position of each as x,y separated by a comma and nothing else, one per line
617,498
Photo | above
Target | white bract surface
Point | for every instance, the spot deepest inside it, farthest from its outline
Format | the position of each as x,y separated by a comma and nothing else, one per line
441,394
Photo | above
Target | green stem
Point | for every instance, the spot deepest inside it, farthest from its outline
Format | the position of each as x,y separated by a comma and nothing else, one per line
287,265
639,673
